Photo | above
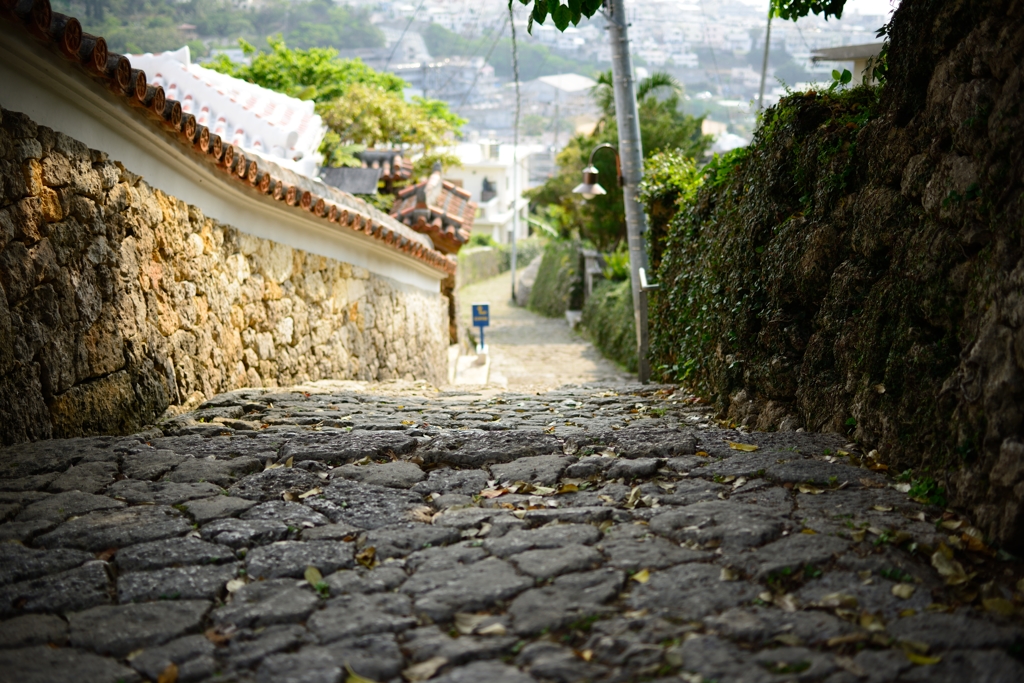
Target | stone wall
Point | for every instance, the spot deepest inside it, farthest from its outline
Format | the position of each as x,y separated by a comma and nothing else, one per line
118,301
860,267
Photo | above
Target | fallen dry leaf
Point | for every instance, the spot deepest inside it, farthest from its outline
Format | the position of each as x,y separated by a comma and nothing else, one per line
568,488
313,575
367,557
234,584
316,490
585,655
738,483
422,514
787,603
807,488
495,629
882,508
217,637
409,422
871,622
746,447
728,574
909,612
423,670
634,497
642,576
789,639
466,623
948,568
808,531
493,493
701,454
903,590
1000,606
922,660
837,600
169,675
847,639
289,462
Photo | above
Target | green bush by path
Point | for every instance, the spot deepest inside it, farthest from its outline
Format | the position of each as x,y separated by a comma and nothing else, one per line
608,322
559,284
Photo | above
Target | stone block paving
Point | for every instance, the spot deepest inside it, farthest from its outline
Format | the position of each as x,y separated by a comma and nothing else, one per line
334,533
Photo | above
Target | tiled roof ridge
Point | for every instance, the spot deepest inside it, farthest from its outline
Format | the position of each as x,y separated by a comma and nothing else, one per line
64,34
446,216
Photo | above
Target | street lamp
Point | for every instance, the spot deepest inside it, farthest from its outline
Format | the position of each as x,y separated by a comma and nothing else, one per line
590,188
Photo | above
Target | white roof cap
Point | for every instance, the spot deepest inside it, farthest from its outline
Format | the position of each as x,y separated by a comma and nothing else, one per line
260,121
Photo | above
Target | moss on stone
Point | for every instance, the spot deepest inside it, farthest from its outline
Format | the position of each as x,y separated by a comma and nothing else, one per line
859,267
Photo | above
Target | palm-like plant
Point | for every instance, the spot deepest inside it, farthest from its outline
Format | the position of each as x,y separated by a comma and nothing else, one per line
604,92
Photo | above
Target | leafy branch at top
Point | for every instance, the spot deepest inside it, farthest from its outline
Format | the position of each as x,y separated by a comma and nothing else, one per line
565,12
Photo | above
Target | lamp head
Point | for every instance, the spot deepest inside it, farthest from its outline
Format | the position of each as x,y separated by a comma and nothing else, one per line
589,188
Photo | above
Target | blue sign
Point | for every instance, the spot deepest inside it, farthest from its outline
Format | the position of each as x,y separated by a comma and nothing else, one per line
481,315
482,319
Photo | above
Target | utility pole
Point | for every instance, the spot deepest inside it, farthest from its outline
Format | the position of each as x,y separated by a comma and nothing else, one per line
515,150
631,153
764,64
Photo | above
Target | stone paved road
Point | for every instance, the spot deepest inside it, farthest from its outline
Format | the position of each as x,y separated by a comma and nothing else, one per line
530,352
585,534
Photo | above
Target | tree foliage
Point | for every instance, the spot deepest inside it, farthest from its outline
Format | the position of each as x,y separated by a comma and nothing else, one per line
153,25
312,74
360,106
663,127
565,12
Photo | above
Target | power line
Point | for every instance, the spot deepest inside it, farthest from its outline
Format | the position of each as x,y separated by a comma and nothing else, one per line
399,41
479,44
476,76
714,61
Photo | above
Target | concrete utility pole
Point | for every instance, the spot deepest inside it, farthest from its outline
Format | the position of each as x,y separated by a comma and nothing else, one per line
764,64
632,155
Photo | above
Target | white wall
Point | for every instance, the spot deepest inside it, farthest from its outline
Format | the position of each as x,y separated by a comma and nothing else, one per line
50,91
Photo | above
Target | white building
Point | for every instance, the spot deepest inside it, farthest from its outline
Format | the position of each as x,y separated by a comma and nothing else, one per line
492,179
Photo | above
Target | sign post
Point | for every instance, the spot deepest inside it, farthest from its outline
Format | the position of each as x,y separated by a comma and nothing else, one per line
481,319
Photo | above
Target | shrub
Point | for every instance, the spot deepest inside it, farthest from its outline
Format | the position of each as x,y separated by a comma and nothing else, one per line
609,323
559,284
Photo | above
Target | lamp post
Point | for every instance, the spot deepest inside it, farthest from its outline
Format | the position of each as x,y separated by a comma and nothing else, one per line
590,188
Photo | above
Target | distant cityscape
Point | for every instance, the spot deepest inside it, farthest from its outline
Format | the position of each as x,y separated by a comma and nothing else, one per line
713,47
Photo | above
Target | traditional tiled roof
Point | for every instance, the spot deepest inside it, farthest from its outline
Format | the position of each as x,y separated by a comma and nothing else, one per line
393,166
258,120
439,209
64,35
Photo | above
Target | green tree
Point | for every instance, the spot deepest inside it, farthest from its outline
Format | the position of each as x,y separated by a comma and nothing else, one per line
663,127
564,12
361,107
312,74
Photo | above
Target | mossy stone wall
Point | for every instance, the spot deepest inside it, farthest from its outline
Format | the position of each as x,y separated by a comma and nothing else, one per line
861,267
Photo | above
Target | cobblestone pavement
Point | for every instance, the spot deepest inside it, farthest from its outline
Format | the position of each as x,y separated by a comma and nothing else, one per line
335,532
530,352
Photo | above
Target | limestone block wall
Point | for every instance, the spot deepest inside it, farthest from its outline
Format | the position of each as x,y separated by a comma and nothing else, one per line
118,300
